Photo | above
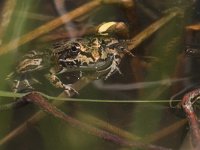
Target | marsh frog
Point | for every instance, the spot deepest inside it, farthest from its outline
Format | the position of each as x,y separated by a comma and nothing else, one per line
97,54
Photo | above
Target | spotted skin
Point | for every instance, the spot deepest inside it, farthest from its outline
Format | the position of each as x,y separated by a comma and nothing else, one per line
91,53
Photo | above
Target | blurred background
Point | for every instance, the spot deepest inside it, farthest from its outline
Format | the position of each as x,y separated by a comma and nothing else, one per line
160,71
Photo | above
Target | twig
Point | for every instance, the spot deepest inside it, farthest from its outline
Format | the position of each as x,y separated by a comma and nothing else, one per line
188,100
193,27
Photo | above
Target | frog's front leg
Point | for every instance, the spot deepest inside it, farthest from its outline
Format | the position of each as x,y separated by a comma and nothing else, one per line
114,65
58,83
115,60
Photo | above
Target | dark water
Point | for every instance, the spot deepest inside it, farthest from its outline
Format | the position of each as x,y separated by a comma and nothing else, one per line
169,71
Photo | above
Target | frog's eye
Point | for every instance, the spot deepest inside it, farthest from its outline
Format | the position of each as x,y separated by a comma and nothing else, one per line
71,51
75,48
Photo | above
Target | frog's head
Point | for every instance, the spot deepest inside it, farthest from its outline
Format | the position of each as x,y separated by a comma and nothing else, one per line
66,51
69,52
79,54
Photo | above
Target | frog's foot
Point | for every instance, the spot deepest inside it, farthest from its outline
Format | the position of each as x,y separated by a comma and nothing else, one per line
68,88
23,85
112,68
58,83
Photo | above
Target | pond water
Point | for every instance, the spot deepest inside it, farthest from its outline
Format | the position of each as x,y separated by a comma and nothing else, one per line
135,107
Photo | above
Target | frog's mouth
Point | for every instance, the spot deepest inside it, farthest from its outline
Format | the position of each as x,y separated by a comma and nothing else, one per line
91,67
96,66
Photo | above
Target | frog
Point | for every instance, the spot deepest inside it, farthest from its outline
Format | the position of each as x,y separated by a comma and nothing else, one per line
96,53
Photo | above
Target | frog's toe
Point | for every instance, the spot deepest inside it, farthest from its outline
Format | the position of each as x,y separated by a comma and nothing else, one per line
75,91
67,92
22,85
69,88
